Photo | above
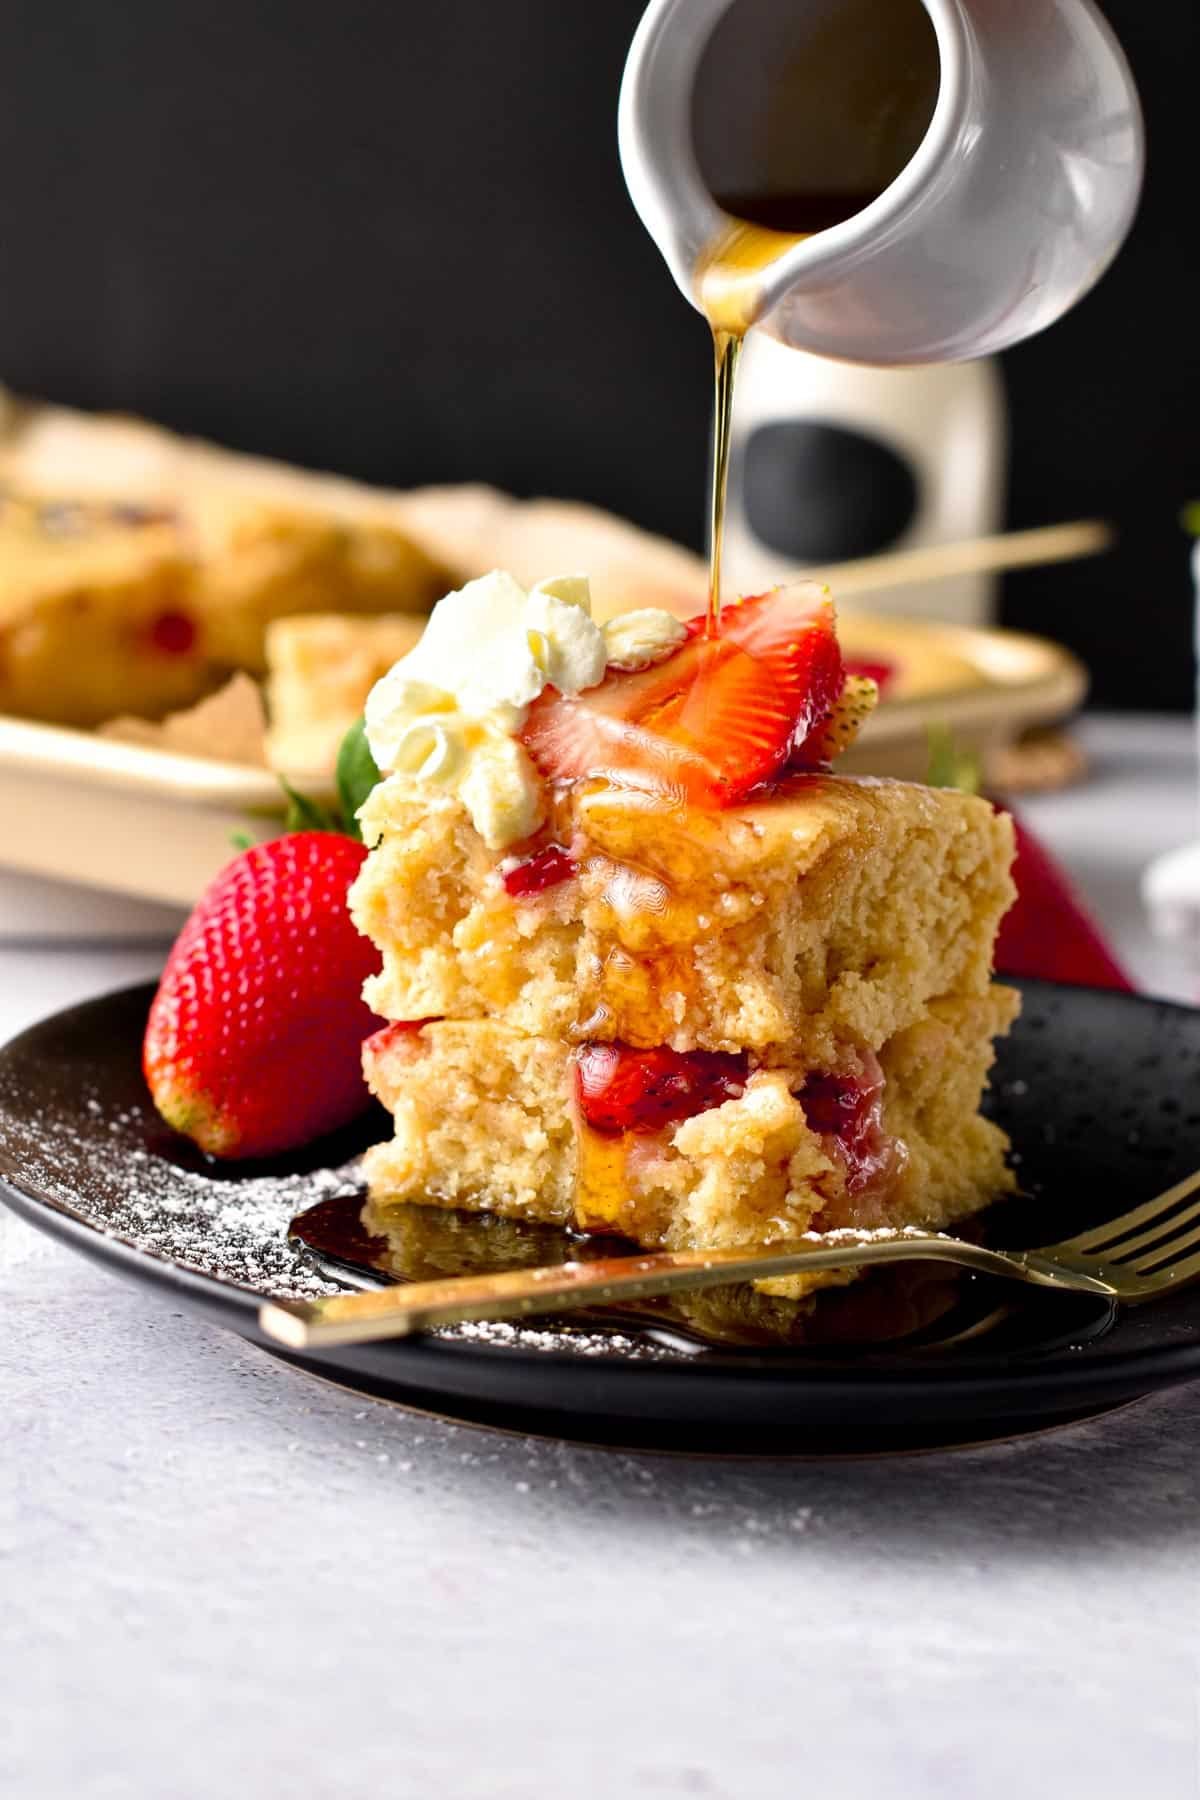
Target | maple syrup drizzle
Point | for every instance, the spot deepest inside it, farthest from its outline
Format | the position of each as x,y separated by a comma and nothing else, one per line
851,108
762,228
601,1184
848,99
727,348
727,283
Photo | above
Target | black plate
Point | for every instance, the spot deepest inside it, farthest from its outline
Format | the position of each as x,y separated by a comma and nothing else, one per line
1099,1091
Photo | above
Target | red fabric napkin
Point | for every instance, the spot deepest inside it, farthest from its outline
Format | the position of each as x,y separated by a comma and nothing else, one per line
1048,933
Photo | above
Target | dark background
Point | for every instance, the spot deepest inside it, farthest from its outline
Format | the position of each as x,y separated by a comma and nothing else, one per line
393,240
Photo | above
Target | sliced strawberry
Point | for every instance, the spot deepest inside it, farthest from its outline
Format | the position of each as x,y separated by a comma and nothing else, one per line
717,718
793,630
620,1089
873,668
841,726
546,869
707,725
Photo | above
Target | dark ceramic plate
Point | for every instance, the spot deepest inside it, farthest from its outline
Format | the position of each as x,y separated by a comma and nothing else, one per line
1100,1093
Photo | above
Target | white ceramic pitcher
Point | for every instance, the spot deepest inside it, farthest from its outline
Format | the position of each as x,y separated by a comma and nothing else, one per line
1017,198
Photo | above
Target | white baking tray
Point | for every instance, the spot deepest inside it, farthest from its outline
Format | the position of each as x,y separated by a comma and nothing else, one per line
151,823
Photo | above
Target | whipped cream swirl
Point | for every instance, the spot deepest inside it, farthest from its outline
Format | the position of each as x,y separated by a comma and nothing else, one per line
448,712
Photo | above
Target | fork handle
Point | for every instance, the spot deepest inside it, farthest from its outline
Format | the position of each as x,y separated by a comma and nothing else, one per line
519,1293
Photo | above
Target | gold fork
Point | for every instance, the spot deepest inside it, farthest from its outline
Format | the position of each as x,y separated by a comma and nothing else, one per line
1137,1256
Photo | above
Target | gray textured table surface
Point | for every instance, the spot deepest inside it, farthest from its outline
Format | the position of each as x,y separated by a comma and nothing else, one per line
221,1578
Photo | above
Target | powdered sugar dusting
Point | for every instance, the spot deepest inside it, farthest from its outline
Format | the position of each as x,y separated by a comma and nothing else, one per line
580,1343
232,1229
231,1226
871,1234
78,1130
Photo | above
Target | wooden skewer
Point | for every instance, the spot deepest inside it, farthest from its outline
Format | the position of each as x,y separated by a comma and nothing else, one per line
977,556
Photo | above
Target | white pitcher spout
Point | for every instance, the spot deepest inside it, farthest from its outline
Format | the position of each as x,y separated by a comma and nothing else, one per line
1013,203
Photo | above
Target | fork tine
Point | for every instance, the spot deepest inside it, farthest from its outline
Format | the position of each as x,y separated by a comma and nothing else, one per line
1165,1251
1091,1241
1171,1277
1162,1231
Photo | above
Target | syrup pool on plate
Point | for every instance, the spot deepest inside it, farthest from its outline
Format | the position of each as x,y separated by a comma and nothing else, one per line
926,1307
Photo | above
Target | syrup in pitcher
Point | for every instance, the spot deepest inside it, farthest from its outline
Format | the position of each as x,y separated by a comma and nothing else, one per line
844,112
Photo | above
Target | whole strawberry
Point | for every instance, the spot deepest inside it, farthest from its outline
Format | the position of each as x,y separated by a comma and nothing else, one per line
253,1042
1048,933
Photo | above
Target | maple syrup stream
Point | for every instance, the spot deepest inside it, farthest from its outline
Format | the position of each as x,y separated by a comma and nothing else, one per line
761,229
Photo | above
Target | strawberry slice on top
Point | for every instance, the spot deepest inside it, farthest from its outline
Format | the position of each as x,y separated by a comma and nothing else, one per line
793,632
720,716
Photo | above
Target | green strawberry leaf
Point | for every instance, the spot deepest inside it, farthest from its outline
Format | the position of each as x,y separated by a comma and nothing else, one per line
1189,518
950,767
304,814
356,775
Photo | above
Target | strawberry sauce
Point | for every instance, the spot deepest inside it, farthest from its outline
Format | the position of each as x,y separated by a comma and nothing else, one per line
547,869
621,1089
380,1042
173,633
847,1110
